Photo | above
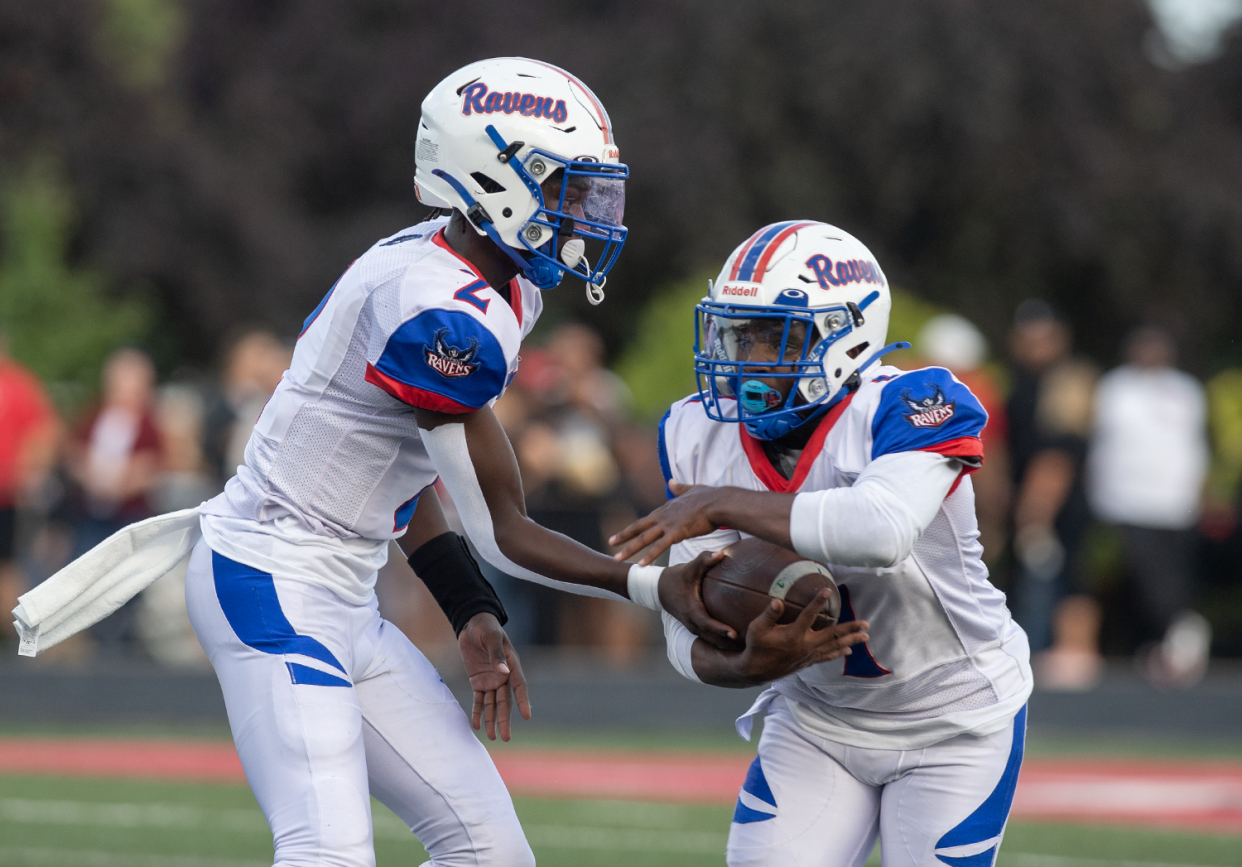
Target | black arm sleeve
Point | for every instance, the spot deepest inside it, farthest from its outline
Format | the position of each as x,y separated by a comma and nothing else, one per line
450,572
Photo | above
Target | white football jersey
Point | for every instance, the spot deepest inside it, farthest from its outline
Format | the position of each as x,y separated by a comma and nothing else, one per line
335,459
944,655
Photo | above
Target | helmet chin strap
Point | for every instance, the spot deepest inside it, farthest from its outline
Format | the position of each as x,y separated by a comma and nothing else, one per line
573,254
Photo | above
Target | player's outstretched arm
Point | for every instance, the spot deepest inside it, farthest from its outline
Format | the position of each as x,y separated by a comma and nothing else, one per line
873,523
773,651
477,465
697,511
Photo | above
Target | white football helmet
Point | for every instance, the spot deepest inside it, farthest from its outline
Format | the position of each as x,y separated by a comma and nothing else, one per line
816,300
493,132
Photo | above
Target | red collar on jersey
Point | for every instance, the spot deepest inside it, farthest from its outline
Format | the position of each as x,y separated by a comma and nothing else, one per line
515,291
763,468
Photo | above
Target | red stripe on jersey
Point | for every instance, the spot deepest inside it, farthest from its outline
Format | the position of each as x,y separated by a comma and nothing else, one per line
515,300
439,240
962,447
418,397
763,468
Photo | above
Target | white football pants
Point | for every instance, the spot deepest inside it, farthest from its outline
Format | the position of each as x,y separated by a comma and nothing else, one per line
330,704
811,802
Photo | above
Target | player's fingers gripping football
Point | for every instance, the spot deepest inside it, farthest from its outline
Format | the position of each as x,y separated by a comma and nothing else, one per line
836,641
681,596
682,518
829,642
773,651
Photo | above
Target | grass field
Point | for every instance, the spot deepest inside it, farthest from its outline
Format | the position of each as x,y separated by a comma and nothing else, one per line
56,822
60,822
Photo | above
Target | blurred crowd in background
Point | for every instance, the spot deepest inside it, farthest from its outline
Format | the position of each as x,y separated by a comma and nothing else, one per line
1107,504
171,169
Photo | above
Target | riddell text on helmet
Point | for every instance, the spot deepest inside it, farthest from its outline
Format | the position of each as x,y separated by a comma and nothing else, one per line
477,100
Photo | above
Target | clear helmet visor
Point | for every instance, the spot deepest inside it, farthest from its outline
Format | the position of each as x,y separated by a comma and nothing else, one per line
781,348
605,204
762,340
579,227
594,195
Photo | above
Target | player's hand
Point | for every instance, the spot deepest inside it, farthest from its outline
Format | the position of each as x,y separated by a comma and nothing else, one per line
682,518
681,595
773,651
495,675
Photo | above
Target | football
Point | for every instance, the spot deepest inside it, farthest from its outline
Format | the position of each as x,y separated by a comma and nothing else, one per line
754,572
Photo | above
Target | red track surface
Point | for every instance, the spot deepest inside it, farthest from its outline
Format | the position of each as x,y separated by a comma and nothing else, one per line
1179,794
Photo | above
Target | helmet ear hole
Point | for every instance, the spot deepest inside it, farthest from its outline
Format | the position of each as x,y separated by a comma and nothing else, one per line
488,185
857,350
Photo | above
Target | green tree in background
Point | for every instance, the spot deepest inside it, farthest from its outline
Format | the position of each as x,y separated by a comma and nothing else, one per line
139,37
658,364
60,319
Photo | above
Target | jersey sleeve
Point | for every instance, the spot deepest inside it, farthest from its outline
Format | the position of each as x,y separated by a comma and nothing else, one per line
441,360
929,410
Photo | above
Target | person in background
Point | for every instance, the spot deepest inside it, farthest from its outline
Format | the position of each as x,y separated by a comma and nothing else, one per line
1049,411
115,461
566,415
1147,465
253,365
952,341
29,433
161,620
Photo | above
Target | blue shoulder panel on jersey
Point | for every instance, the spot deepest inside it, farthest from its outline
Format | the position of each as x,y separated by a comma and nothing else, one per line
442,360
922,409
989,819
662,449
248,599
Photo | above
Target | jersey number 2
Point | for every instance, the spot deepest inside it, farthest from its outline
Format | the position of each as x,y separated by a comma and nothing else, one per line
860,663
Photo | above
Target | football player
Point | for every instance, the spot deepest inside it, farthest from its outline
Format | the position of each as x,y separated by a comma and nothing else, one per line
390,387
798,435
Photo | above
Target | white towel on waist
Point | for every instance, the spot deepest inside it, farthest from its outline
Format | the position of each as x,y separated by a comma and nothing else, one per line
103,579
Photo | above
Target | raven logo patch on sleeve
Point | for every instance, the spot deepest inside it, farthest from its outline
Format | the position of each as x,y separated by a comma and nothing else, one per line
452,361
931,411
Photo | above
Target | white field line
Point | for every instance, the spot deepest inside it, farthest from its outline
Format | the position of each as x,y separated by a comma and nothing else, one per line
32,857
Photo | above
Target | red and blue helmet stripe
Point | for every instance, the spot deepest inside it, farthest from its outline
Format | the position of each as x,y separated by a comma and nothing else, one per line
752,262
